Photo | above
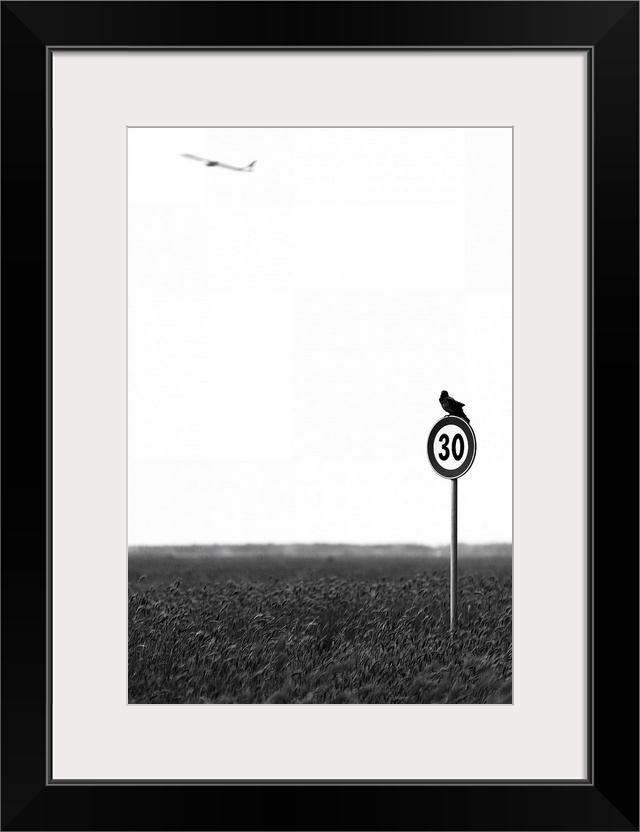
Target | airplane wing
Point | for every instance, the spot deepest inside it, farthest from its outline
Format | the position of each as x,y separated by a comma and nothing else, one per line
195,158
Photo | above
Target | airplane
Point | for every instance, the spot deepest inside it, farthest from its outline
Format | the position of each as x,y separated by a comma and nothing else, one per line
210,164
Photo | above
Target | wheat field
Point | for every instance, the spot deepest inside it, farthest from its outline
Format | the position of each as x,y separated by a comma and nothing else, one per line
328,625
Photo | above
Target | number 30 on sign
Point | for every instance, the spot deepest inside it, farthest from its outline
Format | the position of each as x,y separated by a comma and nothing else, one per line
451,447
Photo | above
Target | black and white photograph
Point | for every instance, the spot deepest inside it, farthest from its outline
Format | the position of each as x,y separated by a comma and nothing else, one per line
320,415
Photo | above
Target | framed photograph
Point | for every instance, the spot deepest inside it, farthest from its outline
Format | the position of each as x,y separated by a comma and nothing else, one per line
298,265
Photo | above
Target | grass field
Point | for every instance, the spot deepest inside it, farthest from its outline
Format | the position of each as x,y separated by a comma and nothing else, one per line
317,625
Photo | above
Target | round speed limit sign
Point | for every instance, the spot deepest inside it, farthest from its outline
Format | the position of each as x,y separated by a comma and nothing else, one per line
451,447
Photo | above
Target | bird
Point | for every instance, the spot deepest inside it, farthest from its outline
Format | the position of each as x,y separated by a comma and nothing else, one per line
453,407
210,164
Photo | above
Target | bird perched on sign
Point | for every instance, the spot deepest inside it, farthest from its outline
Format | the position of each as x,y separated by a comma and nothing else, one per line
452,406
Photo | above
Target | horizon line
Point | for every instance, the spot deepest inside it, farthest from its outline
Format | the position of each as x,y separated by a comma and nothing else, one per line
316,543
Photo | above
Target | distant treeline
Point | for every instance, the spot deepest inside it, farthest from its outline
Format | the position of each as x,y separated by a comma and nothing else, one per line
324,550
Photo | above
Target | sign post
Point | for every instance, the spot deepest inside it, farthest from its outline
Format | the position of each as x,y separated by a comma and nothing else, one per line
451,448
453,557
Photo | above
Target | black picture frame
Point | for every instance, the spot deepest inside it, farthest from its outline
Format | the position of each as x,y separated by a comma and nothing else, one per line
608,799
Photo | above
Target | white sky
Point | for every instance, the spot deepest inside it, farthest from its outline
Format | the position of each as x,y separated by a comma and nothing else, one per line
290,331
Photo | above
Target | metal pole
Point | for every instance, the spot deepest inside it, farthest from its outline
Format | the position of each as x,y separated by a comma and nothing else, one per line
454,555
